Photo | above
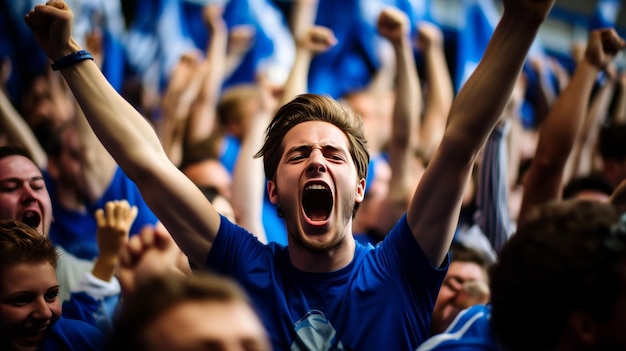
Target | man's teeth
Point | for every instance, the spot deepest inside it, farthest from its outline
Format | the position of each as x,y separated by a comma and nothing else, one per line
315,187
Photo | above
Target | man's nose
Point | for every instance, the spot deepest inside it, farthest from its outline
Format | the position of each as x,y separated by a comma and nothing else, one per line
28,193
316,162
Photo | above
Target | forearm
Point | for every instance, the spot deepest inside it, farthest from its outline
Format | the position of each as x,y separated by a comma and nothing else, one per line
203,111
19,131
125,133
433,212
560,129
249,180
482,99
438,100
595,117
302,16
619,115
297,81
405,121
556,138
104,267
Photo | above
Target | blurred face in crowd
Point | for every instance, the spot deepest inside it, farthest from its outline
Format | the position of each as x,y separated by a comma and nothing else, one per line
66,169
210,172
29,304
207,325
23,193
41,106
465,284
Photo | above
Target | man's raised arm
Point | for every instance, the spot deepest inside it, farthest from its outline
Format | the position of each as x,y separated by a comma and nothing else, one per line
127,136
434,210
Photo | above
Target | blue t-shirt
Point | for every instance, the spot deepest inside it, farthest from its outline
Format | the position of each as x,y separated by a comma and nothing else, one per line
470,331
70,335
383,300
76,231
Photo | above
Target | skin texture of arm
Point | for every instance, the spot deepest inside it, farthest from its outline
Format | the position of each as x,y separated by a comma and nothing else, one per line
619,115
182,88
313,41
19,131
440,91
582,162
393,24
434,210
559,131
98,167
202,117
248,176
129,138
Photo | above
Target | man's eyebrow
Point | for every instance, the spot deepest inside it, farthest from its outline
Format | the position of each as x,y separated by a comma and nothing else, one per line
17,180
330,147
299,148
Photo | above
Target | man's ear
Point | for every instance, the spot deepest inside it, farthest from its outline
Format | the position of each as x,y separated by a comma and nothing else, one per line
272,192
360,191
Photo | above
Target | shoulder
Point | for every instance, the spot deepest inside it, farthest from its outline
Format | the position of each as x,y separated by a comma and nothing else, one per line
70,334
469,331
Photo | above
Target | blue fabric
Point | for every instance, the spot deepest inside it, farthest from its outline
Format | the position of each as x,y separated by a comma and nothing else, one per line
98,313
365,239
114,61
76,232
422,10
81,306
349,65
477,17
470,331
382,300
275,228
18,44
229,152
605,14
156,39
267,37
73,335
371,167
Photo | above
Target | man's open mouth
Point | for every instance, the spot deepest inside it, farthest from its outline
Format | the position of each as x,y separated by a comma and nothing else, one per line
31,219
317,202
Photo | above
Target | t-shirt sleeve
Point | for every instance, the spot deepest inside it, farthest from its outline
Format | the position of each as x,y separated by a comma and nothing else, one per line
400,256
233,249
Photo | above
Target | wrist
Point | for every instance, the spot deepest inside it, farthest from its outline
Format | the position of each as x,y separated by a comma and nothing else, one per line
104,267
71,59
65,50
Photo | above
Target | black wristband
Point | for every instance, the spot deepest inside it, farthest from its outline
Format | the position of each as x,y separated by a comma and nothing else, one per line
71,59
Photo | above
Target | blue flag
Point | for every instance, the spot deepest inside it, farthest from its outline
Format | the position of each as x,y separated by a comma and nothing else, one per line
477,21
272,47
605,14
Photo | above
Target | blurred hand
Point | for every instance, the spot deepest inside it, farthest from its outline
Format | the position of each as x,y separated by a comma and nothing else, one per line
51,25
429,36
151,252
317,39
393,24
603,46
114,222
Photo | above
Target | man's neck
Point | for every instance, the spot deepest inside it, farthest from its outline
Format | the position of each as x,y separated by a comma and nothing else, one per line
311,261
